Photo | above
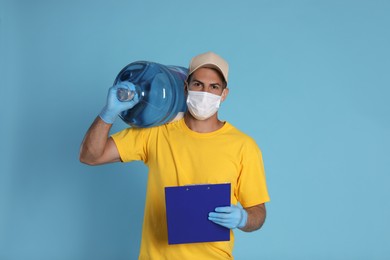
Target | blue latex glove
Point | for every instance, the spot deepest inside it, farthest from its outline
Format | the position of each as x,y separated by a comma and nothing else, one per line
229,217
113,106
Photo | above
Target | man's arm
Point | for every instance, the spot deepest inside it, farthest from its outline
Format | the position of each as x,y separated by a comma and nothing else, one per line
97,148
256,218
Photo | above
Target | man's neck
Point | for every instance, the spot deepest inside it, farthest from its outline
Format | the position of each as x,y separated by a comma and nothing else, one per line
203,126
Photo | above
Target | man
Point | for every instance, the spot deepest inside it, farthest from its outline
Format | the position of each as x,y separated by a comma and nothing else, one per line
196,149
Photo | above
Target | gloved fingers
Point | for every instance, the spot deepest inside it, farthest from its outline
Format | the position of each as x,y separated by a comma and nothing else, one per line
221,216
223,222
114,106
230,216
222,219
225,218
124,84
227,209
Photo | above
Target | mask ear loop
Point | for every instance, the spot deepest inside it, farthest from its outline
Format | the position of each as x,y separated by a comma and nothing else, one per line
224,94
186,87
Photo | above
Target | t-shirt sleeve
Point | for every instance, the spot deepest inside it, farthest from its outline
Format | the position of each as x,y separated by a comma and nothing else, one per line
252,188
131,144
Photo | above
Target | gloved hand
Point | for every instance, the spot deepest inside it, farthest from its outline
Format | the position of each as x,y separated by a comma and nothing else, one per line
230,217
113,106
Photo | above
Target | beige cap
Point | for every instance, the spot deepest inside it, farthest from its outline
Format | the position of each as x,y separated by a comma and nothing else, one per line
209,60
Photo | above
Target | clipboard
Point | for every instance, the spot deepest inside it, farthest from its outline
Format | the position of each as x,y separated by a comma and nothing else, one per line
187,209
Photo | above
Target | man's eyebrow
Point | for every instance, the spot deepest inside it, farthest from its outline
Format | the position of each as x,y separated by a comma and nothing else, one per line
198,81
212,84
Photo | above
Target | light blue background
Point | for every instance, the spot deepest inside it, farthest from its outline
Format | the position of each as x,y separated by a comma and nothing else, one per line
309,82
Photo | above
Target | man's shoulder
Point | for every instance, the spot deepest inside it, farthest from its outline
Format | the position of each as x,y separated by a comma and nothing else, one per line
236,130
242,135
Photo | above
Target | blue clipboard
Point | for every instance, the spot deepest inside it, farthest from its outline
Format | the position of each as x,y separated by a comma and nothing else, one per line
187,209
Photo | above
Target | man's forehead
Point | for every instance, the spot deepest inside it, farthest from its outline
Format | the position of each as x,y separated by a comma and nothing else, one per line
207,74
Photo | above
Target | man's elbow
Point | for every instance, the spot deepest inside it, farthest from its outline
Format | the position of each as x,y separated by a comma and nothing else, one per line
87,160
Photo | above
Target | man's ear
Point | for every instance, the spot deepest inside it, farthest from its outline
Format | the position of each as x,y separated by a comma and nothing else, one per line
185,87
224,95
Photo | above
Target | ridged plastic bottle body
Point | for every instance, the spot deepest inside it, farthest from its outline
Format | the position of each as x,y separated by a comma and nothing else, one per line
160,89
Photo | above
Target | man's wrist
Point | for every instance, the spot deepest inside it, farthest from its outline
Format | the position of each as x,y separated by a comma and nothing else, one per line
244,219
107,116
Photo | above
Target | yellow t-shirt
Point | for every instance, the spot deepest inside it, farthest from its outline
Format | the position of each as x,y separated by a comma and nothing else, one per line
176,156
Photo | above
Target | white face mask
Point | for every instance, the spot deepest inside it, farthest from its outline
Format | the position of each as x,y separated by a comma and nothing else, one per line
202,105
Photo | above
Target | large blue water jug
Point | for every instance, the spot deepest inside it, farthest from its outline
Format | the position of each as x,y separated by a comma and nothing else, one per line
160,89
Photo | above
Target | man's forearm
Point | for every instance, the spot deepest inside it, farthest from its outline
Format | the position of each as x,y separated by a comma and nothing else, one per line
256,218
94,141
